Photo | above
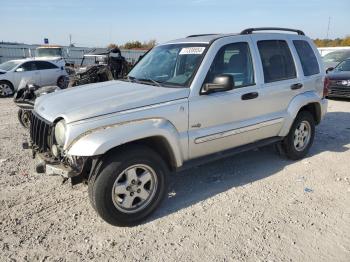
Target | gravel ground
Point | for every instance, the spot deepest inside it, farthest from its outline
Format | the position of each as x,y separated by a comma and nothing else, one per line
255,206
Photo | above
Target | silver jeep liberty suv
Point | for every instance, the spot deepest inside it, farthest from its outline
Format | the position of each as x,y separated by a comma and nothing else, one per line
185,102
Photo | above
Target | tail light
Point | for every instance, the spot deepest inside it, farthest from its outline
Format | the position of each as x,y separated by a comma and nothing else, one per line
326,87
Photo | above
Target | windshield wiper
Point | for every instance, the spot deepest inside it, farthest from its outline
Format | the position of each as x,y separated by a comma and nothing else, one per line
149,80
140,80
131,79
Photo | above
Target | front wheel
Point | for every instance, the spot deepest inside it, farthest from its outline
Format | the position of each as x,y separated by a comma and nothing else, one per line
300,137
128,186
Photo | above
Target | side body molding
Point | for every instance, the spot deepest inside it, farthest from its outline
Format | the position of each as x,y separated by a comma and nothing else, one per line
297,103
98,141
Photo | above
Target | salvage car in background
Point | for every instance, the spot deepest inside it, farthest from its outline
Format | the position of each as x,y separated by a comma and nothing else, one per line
26,95
108,64
333,58
338,80
40,72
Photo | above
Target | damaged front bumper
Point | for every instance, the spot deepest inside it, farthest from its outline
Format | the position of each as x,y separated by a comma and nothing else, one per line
54,169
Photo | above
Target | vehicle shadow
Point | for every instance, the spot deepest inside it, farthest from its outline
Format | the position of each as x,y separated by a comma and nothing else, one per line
341,99
197,184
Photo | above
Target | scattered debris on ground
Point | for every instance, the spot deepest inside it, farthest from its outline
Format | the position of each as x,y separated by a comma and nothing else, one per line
255,206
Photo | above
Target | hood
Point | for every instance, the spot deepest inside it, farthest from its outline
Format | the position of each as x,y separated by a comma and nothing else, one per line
93,100
339,75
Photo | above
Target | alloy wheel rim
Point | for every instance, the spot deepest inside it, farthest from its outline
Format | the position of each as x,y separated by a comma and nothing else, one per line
134,188
302,135
5,90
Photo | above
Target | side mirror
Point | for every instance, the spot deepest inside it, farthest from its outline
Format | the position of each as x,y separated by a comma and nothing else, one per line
329,69
20,69
220,83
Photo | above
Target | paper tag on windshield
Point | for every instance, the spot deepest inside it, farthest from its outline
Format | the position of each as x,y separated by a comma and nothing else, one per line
192,50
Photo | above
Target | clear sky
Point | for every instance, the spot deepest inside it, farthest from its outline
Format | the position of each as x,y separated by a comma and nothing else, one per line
98,23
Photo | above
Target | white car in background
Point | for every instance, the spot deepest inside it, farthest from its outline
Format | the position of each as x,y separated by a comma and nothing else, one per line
39,72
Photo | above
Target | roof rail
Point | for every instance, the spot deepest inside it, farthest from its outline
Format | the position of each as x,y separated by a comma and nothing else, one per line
251,30
199,35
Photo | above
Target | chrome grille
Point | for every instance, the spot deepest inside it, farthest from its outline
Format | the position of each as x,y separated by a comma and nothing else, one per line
40,133
339,91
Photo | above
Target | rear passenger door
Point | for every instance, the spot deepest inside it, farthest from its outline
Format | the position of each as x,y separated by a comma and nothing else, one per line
280,74
27,72
49,72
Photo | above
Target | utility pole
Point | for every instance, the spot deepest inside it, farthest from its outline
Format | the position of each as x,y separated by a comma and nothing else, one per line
329,23
70,40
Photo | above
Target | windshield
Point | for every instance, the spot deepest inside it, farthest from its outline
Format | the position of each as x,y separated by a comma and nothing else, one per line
9,65
336,56
49,52
343,66
173,64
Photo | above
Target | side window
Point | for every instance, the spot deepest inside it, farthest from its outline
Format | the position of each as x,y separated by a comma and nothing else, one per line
43,65
307,57
28,66
233,59
277,60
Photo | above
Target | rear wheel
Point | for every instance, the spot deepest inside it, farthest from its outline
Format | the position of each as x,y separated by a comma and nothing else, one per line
61,82
6,89
128,186
300,137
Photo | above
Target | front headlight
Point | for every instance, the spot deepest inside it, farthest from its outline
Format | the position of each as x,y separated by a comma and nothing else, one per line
345,82
60,132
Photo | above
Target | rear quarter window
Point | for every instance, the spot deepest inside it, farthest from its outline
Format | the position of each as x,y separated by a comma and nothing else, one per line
307,57
277,60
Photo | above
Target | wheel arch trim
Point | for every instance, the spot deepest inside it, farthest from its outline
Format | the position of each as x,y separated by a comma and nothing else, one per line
302,101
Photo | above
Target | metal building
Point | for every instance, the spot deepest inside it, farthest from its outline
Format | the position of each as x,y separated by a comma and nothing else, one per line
71,54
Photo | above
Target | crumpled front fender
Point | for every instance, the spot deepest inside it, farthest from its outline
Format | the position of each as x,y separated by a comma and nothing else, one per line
98,141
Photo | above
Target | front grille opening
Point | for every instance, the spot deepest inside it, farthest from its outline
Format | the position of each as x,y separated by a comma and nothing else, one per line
40,133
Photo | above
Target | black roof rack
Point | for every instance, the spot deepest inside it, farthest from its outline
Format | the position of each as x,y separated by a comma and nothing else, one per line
199,35
251,30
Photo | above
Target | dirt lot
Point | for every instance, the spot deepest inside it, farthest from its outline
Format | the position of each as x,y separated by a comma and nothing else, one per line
255,206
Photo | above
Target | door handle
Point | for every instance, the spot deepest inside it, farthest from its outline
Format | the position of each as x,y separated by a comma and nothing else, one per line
296,86
251,95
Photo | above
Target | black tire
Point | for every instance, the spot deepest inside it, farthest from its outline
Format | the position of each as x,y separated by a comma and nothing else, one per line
101,184
24,117
61,82
6,84
288,146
